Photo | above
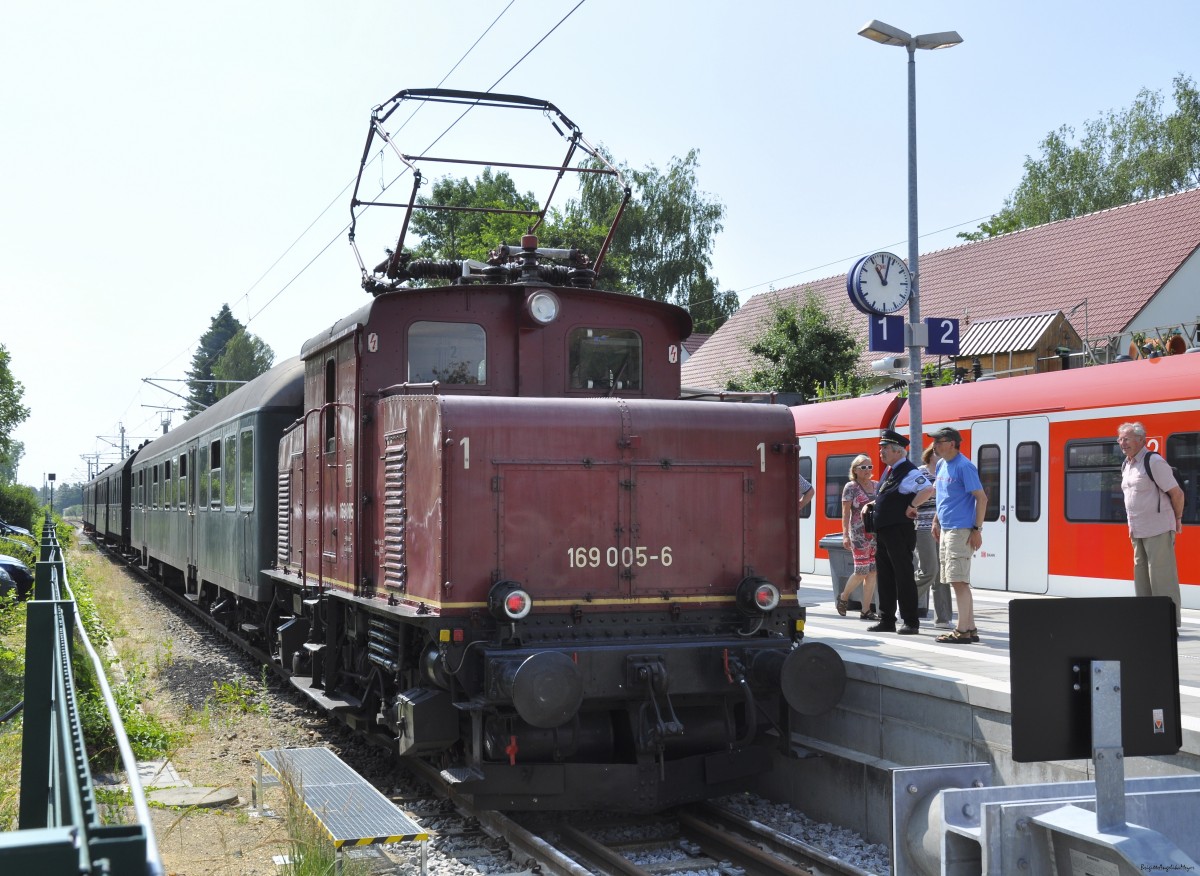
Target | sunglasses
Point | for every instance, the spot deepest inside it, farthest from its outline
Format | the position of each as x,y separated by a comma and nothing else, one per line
867,467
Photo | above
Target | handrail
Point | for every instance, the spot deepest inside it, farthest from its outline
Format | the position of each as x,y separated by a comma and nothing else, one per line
60,830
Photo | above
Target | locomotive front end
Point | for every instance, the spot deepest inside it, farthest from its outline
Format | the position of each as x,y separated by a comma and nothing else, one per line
616,596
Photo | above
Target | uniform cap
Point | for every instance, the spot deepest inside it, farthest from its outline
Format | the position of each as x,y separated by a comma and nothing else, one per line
890,437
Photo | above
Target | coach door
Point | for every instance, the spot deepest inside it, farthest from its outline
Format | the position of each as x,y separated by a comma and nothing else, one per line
1012,460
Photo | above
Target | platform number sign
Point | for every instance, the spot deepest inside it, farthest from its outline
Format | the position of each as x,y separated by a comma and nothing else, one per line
886,334
943,336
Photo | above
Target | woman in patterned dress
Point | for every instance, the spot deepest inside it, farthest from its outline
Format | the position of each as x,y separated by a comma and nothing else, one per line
859,490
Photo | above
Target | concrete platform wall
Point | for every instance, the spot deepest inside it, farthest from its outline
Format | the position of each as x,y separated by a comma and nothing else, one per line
892,718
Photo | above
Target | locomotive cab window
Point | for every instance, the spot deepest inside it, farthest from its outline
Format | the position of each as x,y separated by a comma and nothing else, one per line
448,352
605,359
1093,482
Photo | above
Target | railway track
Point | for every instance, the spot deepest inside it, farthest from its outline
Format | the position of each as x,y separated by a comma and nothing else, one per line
701,839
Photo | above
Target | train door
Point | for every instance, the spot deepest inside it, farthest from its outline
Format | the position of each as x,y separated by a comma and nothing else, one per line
808,517
1011,457
190,500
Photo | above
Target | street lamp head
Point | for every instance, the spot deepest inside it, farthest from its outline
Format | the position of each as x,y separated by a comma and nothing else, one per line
893,36
884,33
944,40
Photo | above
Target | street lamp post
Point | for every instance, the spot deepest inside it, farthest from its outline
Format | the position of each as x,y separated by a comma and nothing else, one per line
893,36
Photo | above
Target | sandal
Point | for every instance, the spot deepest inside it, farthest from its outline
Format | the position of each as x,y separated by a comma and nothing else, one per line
842,605
957,637
869,615
974,634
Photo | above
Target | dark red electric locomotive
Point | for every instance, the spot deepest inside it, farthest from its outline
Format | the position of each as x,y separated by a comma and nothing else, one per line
507,545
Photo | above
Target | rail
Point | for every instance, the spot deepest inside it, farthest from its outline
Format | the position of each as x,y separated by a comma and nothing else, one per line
60,825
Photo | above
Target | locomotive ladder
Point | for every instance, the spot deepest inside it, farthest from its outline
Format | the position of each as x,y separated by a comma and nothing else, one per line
348,807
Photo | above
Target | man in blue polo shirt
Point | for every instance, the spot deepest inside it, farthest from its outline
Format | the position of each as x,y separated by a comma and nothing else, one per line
958,527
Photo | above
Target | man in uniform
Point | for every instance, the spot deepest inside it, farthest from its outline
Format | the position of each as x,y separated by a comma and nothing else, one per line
903,488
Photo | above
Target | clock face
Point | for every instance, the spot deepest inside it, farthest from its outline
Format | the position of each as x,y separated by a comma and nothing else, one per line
879,283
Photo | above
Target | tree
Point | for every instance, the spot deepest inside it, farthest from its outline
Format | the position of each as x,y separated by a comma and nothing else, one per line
12,414
663,245
662,248
455,234
1129,155
245,357
202,391
801,348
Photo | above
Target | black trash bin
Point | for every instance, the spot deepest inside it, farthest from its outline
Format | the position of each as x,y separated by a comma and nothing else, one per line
841,568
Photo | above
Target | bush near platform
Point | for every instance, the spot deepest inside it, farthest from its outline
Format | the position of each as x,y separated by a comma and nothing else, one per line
19,505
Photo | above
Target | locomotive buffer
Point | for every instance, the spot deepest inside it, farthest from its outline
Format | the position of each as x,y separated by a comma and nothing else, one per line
348,807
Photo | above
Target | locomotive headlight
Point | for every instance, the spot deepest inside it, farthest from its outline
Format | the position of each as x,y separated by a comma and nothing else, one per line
543,307
508,601
756,595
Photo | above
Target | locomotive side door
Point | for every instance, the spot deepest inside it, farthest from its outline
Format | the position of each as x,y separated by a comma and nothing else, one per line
1011,458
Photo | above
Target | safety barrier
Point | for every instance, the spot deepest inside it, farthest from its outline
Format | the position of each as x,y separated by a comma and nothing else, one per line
60,826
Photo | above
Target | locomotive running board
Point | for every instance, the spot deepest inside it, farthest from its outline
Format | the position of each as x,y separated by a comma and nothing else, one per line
337,703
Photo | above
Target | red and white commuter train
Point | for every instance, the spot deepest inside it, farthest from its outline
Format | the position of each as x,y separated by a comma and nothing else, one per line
1046,449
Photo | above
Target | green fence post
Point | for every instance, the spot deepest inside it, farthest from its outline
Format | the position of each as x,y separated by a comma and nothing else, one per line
41,639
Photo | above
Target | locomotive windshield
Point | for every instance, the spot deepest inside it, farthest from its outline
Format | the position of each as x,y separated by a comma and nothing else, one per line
448,352
605,359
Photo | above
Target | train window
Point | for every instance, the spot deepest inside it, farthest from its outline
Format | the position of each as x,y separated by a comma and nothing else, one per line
183,482
230,470
202,479
141,489
214,458
168,499
806,467
987,460
837,475
330,407
605,359
448,352
246,471
1093,481
1183,452
154,488
1029,482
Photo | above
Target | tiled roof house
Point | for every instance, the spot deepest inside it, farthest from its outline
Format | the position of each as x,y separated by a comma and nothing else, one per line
1136,266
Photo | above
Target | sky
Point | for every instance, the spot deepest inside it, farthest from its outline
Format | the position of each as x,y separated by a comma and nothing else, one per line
159,159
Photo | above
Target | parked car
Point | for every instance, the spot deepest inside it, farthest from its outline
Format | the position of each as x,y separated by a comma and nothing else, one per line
13,529
17,575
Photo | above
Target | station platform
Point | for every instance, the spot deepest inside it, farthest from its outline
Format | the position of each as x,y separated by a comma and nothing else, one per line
912,702
982,665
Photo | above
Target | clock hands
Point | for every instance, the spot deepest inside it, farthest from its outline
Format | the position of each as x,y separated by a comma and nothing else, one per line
883,271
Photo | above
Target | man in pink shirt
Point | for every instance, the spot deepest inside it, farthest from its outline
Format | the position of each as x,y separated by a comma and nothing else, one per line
1153,524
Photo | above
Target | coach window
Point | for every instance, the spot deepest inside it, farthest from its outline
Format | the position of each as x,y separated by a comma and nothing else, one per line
202,479
1029,482
604,359
154,489
183,482
141,489
837,475
246,471
987,460
806,467
1183,452
1093,482
168,487
230,472
214,464
448,352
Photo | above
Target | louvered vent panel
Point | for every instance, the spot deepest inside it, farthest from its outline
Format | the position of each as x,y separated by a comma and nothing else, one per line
395,512
284,514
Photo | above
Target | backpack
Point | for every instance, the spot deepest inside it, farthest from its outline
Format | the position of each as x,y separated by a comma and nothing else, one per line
1174,473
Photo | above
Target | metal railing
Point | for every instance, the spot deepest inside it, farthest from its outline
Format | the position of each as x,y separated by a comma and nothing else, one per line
60,825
